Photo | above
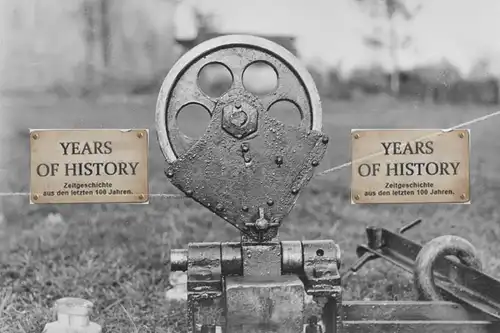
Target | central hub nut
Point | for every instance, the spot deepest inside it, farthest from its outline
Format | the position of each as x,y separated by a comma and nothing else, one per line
262,224
239,119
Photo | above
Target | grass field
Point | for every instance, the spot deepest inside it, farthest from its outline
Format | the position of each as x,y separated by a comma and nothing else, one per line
116,255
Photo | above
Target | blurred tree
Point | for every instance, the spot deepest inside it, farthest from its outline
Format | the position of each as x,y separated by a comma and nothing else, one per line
437,79
97,32
390,10
481,69
105,31
90,18
370,80
318,70
206,22
192,23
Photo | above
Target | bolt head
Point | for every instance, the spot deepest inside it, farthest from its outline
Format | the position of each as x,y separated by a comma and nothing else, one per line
262,224
238,118
239,121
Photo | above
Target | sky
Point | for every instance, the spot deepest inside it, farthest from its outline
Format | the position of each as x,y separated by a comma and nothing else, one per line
331,31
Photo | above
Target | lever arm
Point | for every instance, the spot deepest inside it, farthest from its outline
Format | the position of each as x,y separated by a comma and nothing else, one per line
456,281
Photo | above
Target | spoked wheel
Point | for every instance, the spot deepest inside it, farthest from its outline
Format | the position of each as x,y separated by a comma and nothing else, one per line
263,134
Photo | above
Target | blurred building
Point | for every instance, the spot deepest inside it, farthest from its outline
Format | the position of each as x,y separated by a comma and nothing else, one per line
186,24
191,27
62,45
71,45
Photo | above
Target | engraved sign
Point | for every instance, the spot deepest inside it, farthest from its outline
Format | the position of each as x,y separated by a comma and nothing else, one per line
89,166
410,166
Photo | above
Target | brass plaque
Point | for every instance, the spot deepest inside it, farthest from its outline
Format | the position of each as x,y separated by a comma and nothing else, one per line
410,166
89,166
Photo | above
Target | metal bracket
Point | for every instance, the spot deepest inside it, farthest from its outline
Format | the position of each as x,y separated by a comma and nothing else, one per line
453,280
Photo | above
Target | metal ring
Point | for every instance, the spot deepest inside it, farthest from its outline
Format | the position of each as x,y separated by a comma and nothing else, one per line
213,45
430,253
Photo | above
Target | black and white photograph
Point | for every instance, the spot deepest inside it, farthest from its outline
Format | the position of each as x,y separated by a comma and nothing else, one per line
231,166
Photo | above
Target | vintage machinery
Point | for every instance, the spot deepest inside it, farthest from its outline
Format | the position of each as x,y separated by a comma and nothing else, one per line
248,168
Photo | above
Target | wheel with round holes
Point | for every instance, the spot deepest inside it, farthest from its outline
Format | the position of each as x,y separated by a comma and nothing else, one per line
249,164
235,53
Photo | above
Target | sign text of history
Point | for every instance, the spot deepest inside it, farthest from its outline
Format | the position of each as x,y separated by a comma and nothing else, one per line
410,166
89,166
